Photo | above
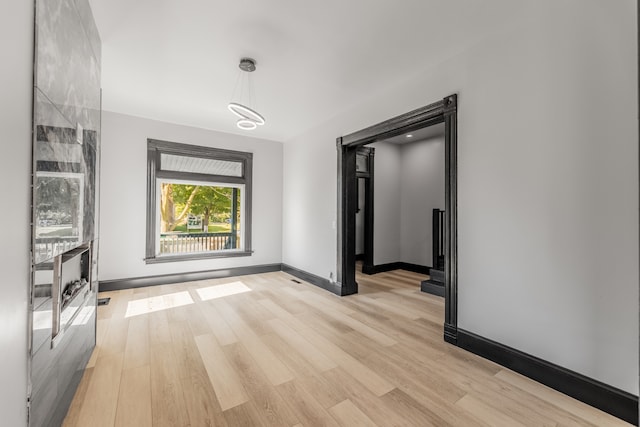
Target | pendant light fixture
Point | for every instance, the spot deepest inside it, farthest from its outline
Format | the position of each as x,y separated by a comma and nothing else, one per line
242,102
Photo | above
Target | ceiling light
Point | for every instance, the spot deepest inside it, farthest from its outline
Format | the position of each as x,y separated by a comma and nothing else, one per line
245,113
246,124
409,136
241,103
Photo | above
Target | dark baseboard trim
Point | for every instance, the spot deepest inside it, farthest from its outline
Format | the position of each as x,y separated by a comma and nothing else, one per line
381,268
451,334
432,287
138,282
368,269
313,279
165,279
359,257
415,268
609,399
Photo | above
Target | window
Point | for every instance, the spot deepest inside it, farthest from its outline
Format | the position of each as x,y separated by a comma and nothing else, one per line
198,202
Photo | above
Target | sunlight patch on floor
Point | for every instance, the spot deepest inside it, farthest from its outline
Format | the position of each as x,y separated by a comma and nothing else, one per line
158,303
220,291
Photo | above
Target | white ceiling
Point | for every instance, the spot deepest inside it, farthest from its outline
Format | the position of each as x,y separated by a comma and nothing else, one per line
177,60
421,134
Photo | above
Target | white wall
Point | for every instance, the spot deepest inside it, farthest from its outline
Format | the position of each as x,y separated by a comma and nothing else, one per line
16,80
309,205
421,190
408,185
124,195
387,245
548,183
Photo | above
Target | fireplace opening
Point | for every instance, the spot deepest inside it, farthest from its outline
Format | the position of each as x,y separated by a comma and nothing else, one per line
71,285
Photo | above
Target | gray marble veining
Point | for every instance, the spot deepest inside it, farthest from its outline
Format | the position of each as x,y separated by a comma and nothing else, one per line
66,199
68,71
65,205
48,114
90,28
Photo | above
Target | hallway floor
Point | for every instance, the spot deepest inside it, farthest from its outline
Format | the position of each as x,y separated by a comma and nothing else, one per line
264,350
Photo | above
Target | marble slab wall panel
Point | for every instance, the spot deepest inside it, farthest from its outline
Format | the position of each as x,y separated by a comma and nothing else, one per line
43,400
90,157
94,263
63,219
66,173
42,324
68,63
90,28
67,68
61,183
60,369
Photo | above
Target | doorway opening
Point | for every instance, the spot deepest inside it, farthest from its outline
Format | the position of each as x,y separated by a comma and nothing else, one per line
348,147
365,162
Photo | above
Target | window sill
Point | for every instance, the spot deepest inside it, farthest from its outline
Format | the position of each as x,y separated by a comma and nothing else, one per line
192,257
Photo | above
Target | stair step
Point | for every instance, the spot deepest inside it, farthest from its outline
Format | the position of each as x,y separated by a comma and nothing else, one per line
432,287
436,275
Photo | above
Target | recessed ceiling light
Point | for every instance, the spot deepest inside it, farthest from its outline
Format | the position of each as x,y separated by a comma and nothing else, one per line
409,135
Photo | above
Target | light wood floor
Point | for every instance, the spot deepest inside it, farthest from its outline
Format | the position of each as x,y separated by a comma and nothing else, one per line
264,350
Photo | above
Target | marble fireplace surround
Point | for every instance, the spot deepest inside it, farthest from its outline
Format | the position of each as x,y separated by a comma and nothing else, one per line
66,160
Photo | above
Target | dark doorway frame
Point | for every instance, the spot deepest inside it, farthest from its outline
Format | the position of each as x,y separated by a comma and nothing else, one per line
368,176
444,111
